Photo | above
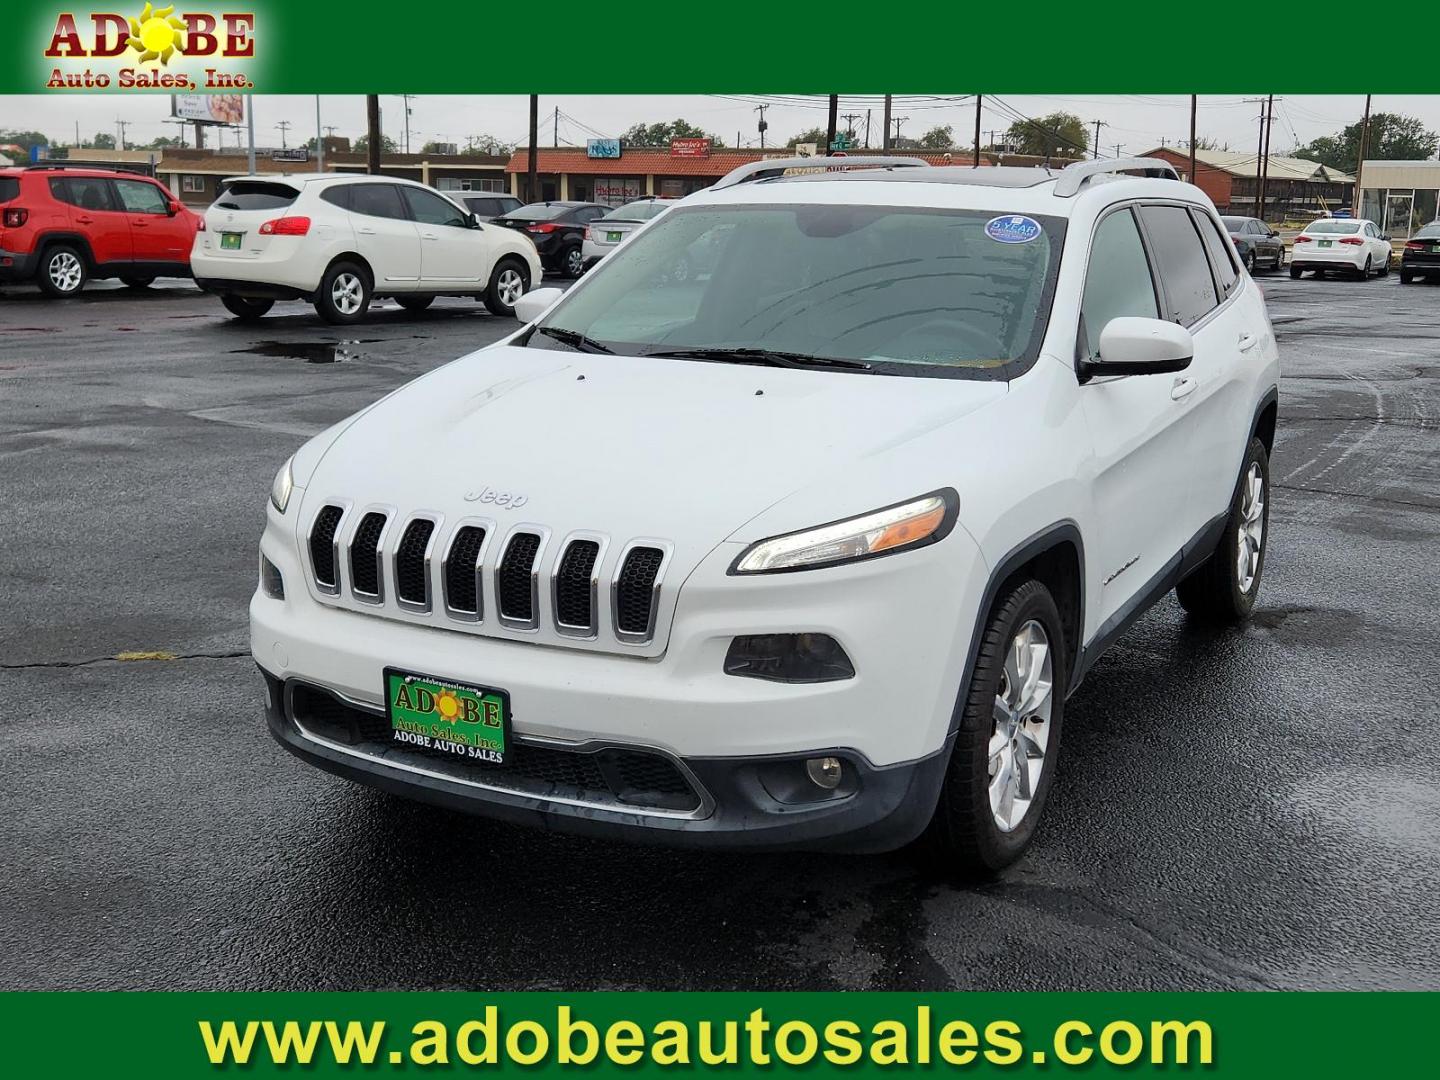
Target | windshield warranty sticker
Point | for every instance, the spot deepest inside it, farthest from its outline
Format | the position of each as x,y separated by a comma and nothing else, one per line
1012,229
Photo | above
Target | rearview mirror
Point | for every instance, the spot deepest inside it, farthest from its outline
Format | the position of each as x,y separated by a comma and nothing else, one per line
534,304
1132,346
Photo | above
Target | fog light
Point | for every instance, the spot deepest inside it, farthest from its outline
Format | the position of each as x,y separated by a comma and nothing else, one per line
270,579
824,772
794,658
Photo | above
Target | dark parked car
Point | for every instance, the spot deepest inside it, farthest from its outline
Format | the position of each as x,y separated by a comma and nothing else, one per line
558,229
1256,243
1421,257
489,207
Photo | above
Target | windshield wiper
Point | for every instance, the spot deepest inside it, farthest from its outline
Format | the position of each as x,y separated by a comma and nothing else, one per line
769,357
574,339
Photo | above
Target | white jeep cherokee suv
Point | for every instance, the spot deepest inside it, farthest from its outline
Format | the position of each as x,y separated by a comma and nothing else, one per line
805,551
339,241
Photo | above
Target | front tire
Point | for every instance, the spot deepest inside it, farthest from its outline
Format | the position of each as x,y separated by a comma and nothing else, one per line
62,272
1003,762
344,295
1224,587
244,309
509,281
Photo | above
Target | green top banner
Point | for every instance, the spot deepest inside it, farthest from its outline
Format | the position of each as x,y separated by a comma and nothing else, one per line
926,46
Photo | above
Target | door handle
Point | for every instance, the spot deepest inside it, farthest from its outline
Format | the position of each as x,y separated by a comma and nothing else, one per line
366,232
140,224
85,220
1247,342
430,236
1182,388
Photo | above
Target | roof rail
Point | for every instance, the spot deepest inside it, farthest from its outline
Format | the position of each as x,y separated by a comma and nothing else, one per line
1072,177
756,169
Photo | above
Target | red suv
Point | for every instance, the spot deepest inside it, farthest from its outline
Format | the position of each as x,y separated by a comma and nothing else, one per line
61,226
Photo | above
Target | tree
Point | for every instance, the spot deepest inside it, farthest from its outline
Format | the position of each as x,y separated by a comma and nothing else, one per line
1204,142
362,145
814,135
23,139
1391,137
164,142
938,138
486,146
660,134
1060,134
103,140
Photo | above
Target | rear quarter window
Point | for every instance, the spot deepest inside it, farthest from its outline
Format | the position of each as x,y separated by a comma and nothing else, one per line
9,188
255,195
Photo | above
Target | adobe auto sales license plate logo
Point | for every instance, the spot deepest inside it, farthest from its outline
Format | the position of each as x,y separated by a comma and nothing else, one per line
467,721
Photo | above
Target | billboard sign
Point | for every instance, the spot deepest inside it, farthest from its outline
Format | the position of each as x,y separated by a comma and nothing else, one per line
209,108
690,148
602,148
294,153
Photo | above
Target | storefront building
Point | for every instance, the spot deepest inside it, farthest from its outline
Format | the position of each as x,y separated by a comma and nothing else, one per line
1400,196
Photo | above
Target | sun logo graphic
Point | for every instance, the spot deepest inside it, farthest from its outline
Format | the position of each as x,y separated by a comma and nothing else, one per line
157,34
448,706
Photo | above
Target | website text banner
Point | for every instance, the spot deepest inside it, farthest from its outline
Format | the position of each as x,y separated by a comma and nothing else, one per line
923,47
1222,1035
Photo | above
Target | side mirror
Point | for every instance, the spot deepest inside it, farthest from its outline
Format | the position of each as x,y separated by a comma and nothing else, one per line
1385,236
1274,233
173,207
471,221
534,304
1132,346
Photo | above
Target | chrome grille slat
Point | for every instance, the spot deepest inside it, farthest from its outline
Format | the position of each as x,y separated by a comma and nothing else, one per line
325,548
575,585
464,572
367,566
517,578
412,563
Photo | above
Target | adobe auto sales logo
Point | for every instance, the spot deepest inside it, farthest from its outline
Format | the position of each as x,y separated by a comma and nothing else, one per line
108,50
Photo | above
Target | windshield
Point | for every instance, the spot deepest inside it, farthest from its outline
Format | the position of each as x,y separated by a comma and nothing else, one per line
538,212
902,290
637,211
1334,227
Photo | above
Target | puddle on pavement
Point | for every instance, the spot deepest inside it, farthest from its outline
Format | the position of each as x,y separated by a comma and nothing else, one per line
312,352
1306,625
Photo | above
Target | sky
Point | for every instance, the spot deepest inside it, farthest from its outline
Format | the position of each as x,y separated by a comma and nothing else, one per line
1135,122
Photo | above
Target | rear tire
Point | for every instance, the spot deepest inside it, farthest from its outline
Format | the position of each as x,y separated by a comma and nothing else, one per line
1224,587
1295,273
62,271
1385,268
344,295
572,261
1249,263
1013,710
509,281
1406,277
245,309
414,303
1364,273
140,282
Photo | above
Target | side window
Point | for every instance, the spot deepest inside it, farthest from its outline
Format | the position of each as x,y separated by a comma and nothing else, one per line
589,213
431,209
1180,258
376,200
86,192
1117,280
337,195
1226,272
138,197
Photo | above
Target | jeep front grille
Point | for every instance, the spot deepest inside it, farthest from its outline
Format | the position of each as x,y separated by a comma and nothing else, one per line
473,575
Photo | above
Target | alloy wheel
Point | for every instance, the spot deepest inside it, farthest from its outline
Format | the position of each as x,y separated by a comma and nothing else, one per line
1021,733
1250,533
574,262
511,286
65,272
347,293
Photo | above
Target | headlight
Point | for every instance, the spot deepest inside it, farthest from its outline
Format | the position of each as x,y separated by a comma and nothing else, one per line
284,484
895,528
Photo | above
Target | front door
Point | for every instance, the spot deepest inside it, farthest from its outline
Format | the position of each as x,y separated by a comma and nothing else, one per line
156,236
451,252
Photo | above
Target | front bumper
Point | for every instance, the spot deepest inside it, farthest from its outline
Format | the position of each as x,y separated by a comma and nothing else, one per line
16,266
750,803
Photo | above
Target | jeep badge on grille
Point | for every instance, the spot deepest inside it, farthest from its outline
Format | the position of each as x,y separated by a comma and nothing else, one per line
512,500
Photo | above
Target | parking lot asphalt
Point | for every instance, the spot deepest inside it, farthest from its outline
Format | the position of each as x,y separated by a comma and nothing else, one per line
1245,808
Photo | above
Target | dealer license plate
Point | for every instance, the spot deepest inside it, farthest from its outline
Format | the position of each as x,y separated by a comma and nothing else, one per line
230,241
468,721
1326,243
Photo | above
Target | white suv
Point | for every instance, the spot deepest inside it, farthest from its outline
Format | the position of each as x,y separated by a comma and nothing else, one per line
805,551
340,241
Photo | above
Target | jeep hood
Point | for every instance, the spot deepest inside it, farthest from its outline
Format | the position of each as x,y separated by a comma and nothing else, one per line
685,451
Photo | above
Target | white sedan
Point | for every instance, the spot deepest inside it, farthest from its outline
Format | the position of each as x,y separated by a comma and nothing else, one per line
1355,247
605,234
340,241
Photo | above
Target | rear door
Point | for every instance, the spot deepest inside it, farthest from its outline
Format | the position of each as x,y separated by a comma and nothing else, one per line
154,232
451,252
232,223
96,214
385,235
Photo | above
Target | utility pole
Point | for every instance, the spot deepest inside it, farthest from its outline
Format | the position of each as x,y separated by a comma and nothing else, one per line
406,99
850,119
1259,153
556,142
897,122
372,135
762,126
975,160
250,133
532,177
867,129
1118,147
1096,149
77,134
1356,206
885,139
1194,107
283,127
833,121
319,138
1265,156
120,126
